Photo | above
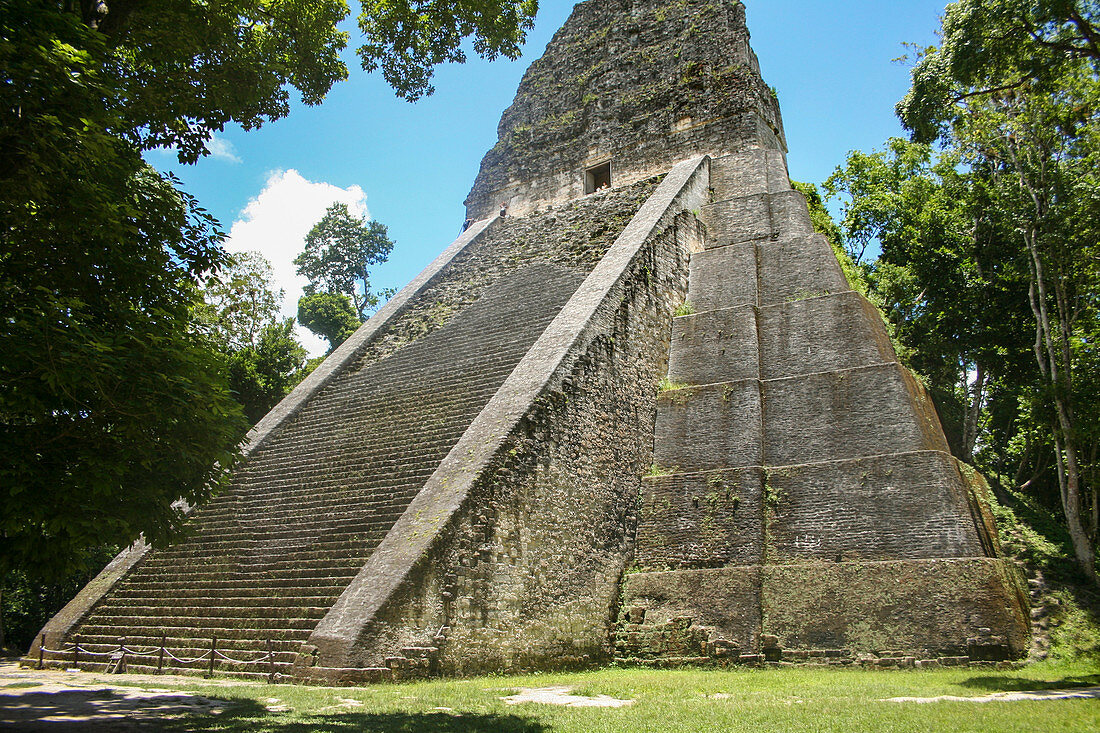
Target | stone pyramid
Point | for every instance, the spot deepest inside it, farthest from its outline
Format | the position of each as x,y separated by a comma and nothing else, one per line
642,416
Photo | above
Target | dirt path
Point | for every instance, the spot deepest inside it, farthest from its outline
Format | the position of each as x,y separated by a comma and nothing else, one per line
52,700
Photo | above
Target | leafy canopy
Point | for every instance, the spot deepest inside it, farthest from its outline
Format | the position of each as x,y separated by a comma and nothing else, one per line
997,45
329,315
339,250
406,38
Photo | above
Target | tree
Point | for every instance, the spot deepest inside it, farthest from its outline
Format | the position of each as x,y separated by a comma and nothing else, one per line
1014,89
339,249
991,46
406,38
262,373
329,315
238,302
239,315
112,405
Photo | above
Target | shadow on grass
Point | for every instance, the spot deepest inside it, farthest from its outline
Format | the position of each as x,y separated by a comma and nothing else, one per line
251,716
1012,684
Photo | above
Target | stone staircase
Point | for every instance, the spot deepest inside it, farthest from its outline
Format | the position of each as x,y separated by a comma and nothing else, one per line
792,451
268,558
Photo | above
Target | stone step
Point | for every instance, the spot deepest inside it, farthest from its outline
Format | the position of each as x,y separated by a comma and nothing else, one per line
753,171
304,513
132,597
216,609
201,629
702,519
149,646
758,217
290,586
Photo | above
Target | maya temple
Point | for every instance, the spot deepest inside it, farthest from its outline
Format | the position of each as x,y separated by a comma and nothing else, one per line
642,417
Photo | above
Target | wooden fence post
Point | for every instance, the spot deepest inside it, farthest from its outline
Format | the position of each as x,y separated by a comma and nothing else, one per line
213,646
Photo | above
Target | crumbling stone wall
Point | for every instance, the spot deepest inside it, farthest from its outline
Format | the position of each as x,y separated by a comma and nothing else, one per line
642,83
528,576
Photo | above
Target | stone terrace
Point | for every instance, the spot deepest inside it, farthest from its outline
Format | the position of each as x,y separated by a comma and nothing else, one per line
267,559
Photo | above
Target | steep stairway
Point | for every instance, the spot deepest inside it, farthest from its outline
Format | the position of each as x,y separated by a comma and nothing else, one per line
792,451
270,555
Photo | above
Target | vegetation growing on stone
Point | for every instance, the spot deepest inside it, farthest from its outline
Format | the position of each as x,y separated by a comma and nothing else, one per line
987,268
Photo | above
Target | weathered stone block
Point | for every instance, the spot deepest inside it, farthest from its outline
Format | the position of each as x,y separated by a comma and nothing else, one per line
848,414
739,220
797,268
765,216
923,606
750,172
715,346
910,505
693,520
723,277
702,428
821,334
726,599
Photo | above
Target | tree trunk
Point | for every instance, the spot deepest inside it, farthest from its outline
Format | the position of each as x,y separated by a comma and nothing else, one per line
1047,354
973,412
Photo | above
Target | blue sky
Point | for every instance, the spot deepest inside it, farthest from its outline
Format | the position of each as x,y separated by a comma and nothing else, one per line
410,166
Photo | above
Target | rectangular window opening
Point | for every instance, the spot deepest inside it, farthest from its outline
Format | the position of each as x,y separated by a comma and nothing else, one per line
597,178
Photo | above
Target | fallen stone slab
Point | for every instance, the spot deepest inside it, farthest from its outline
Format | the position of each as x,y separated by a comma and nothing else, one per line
563,696
1080,693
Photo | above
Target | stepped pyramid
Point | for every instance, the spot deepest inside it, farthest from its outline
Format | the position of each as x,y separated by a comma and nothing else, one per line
643,416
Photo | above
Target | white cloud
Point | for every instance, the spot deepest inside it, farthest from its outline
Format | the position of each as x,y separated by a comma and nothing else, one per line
222,149
275,224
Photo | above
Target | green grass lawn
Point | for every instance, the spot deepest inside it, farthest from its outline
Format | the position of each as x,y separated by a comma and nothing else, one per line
799,699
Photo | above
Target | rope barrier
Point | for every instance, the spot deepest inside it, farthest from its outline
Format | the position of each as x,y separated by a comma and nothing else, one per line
267,658
263,658
186,661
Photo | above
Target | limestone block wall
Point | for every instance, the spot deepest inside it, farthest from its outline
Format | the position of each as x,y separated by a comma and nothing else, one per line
510,557
640,83
802,490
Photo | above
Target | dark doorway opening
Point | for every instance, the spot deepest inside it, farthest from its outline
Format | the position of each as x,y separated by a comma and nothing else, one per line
597,177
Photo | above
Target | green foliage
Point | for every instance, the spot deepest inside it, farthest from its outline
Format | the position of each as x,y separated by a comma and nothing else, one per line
111,408
940,278
26,602
239,316
996,46
685,309
329,315
263,373
667,385
406,38
238,302
1033,535
657,469
338,251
